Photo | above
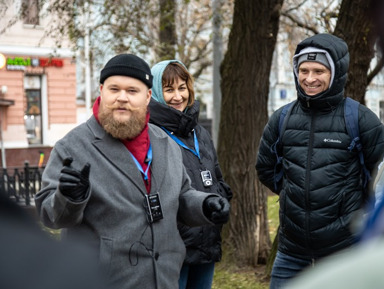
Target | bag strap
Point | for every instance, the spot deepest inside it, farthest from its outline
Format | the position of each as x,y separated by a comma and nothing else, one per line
351,116
278,172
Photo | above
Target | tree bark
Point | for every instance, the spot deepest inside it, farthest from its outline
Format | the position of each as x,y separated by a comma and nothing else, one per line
245,85
167,31
355,27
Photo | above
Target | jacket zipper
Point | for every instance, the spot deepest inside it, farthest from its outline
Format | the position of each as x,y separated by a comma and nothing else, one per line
307,184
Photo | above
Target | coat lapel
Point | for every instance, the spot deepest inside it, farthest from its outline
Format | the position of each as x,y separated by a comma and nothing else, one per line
117,154
160,158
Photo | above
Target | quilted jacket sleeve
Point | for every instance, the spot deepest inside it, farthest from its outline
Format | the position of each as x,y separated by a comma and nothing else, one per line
372,138
266,159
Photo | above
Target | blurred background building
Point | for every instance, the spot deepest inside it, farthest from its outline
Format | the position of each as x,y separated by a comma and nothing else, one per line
38,88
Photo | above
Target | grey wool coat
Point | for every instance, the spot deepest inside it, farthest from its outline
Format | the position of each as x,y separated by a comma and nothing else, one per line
113,218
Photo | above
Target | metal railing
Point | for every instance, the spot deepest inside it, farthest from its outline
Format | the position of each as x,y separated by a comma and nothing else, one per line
21,183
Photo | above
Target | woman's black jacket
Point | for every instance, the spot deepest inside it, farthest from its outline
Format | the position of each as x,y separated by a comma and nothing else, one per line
203,243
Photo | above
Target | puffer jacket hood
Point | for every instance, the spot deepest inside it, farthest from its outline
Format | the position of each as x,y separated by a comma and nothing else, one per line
338,51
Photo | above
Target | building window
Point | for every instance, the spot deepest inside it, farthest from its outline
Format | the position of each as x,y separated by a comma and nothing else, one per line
30,12
32,115
283,93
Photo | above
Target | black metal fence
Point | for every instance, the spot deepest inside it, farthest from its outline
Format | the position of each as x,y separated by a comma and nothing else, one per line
21,183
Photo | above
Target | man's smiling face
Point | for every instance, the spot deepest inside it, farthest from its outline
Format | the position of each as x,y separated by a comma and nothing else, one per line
314,77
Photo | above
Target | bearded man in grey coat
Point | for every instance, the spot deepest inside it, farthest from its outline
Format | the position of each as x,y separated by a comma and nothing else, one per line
119,184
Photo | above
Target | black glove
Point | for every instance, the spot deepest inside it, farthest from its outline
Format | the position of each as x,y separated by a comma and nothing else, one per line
73,183
216,209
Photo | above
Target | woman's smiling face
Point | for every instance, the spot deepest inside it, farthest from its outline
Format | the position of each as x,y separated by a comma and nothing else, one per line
176,95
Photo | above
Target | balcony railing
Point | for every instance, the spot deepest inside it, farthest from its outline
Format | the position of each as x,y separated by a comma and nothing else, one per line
21,183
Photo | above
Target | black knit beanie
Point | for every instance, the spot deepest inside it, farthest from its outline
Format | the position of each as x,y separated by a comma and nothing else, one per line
127,65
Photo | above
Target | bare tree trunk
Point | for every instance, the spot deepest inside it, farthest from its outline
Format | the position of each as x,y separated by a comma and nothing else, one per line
245,85
355,27
167,31
217,59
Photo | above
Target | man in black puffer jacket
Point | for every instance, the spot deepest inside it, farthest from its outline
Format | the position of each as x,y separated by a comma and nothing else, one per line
321,189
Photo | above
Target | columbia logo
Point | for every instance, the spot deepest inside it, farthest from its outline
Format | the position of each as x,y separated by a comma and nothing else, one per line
332,140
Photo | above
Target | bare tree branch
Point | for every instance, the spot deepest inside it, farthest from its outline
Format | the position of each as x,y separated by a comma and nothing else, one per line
300,23
375,70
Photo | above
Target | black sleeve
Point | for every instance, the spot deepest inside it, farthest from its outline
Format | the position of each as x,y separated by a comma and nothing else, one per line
266,159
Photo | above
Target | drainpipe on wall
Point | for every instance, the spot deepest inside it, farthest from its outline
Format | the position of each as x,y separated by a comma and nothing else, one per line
3,160
87,62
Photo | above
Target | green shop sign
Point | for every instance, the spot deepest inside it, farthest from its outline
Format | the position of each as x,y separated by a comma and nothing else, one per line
20,63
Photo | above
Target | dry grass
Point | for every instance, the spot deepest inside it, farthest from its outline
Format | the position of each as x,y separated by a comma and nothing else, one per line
229,277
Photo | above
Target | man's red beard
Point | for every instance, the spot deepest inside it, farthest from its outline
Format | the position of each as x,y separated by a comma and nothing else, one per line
123,130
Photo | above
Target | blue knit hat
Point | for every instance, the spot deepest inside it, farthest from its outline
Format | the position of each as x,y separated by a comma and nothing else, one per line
157,72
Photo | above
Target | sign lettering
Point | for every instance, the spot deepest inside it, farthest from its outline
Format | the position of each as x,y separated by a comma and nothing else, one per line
21,63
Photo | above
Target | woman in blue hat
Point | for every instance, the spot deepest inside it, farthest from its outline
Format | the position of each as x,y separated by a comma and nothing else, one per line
173,108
